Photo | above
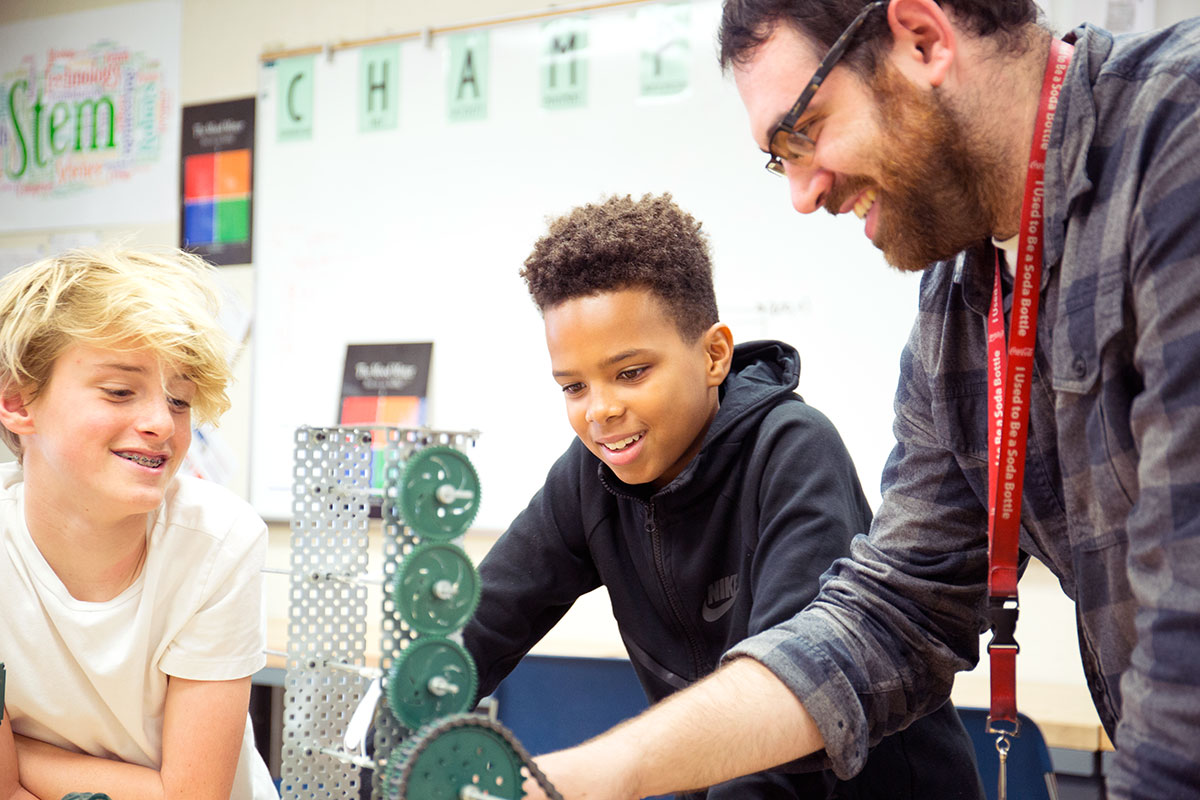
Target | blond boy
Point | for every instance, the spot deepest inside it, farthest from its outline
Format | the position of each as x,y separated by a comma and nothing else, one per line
133,595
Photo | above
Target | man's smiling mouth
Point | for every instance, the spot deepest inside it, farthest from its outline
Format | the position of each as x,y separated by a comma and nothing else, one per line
864,203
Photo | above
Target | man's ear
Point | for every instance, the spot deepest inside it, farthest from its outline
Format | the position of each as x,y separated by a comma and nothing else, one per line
924,41
718,346
14,411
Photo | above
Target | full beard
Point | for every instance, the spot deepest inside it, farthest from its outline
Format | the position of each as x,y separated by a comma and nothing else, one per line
935,184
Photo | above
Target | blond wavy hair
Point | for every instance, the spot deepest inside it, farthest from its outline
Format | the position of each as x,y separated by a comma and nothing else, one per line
166,303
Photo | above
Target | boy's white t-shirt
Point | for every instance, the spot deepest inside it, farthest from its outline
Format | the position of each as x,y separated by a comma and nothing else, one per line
92,677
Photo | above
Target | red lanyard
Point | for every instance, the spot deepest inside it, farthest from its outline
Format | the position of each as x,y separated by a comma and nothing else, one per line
1011,372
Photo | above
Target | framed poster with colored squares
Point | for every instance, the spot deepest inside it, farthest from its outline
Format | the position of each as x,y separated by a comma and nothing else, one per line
216,181
385,384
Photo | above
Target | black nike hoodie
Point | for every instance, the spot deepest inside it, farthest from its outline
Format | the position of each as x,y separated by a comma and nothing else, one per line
733,545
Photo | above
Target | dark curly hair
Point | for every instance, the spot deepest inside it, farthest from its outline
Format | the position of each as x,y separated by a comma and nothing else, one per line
745,24
624,243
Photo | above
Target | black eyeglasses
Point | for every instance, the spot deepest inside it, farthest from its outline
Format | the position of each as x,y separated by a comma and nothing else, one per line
794,146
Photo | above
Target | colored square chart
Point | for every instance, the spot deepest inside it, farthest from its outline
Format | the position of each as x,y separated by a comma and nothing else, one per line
371,410
216,198
399,410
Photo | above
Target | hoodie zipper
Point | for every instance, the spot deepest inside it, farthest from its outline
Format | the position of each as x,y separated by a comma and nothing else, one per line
672,599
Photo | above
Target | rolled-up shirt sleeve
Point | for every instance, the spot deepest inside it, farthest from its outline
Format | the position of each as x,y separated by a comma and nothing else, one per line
894,622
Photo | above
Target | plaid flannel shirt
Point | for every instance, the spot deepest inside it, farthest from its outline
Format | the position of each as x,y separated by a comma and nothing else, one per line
1111,501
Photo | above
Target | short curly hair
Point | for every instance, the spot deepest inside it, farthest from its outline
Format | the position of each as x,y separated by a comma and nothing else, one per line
623,243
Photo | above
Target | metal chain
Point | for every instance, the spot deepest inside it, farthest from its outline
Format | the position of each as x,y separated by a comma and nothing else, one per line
416,744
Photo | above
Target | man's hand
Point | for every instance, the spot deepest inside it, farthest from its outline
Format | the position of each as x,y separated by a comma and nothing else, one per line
582,773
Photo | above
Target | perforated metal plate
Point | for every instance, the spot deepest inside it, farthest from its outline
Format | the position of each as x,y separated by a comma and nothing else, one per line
327,617
328,609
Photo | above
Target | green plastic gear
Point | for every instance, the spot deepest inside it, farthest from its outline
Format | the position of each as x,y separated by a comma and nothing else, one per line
436,588
441,759
431,678
439,493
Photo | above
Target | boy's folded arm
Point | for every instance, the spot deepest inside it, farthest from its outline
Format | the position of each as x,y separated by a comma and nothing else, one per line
10,784
202,737
50,772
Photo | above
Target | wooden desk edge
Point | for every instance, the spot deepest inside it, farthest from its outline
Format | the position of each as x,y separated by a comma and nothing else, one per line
1063,712
1078,729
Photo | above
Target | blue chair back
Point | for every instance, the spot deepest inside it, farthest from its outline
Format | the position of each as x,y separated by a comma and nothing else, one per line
1030,772
552,702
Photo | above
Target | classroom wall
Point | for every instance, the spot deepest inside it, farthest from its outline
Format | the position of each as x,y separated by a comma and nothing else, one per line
222,41
221,44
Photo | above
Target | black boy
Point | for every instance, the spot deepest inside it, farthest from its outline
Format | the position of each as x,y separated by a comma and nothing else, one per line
696,466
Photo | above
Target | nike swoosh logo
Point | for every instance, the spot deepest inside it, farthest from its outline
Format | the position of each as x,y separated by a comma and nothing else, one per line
714,613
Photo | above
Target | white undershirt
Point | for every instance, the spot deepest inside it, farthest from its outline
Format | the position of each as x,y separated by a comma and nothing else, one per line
1008,248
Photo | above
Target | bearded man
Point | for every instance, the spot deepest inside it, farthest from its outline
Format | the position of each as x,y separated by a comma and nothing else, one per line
1049,191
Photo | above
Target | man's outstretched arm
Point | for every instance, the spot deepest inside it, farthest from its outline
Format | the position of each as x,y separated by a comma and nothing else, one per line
739,720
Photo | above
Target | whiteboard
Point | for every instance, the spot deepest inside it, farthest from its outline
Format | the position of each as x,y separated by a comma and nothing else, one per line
417,234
